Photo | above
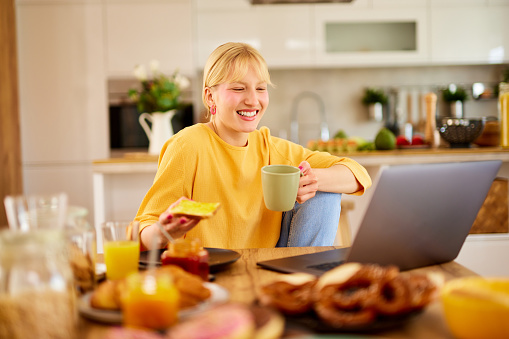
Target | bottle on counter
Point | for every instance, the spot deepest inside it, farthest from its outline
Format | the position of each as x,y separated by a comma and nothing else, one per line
503,108
431,135
188,254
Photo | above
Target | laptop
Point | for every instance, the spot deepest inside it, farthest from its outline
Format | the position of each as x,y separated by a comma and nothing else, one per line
418,215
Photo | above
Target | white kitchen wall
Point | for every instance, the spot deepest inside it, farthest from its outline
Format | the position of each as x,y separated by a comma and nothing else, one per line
341,90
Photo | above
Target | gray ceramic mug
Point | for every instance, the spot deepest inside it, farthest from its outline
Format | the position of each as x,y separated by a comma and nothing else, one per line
280,184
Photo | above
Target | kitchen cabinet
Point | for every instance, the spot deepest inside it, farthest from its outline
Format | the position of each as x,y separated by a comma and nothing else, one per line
379,36
295,35
218,5
137,32
222,4
62,92
376,31
61,79
284,38
469,34
400,3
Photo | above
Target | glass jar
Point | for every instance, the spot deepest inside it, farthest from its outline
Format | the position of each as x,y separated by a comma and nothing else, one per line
190,255
150,300
37,298
503,108
82,247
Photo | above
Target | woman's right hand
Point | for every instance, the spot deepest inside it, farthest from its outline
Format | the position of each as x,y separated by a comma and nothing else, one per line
176,226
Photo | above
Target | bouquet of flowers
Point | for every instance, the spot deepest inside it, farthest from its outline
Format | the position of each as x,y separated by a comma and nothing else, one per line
158,93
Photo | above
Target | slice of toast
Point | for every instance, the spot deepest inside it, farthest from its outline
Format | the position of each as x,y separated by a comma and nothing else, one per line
195,209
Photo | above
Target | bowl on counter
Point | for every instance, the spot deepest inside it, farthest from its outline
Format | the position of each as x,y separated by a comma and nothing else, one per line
460,132
476,307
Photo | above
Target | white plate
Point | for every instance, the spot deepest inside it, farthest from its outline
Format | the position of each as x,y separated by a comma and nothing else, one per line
218,294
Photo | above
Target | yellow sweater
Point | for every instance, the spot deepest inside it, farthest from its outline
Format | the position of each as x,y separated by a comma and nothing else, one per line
199,165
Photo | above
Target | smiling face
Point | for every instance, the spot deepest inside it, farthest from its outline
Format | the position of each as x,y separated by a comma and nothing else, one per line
240,105
235,81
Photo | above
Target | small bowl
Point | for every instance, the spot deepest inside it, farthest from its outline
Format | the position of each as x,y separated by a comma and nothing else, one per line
477,307
459,132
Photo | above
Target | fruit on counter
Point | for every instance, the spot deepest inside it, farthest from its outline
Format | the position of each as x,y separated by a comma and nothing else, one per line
477,307
340,135
368,146
417,140
401,140
340,145
385,140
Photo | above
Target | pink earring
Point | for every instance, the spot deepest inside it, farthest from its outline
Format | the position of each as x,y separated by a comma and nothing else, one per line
213,110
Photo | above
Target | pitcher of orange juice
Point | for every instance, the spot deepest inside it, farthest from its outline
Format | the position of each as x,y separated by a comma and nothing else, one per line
121,248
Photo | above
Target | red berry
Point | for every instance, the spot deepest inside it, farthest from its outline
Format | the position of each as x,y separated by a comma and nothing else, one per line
417,140
402,141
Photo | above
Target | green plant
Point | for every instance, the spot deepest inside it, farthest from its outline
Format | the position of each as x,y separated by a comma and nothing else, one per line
449,95
505,75
373,95
158,93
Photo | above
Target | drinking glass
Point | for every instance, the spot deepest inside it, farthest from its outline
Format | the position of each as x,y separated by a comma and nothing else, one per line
151,300
26,212
121,248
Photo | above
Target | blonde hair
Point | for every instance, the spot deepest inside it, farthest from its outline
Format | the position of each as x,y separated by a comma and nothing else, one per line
230,62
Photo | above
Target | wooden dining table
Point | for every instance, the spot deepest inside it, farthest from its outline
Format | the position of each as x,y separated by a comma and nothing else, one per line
244,279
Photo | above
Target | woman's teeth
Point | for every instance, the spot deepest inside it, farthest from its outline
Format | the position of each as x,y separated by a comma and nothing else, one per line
247,114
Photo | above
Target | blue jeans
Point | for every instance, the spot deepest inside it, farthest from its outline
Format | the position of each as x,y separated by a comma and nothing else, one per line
313,223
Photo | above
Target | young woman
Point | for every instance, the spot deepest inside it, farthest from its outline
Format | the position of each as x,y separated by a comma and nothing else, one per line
221,161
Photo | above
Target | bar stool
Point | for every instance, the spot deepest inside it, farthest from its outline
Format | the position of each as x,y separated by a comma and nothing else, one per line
344,234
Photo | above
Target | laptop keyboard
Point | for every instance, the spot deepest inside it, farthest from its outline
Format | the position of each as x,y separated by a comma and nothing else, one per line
326,266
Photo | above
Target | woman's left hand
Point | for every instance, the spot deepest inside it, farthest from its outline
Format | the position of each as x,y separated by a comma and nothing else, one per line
308,183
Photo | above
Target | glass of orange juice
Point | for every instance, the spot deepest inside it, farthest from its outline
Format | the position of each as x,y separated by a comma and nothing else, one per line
150,301
121,248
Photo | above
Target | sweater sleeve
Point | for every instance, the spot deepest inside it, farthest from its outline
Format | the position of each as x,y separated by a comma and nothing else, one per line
171,182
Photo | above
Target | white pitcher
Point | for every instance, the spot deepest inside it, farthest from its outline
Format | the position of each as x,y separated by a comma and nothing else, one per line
161,131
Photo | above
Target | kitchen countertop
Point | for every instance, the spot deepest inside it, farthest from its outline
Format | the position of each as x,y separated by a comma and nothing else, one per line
144,163
429,155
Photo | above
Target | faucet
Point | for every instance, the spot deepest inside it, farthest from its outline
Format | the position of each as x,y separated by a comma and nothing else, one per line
294,125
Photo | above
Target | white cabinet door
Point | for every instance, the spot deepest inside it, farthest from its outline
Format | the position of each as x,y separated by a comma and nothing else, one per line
400,3
216,5
74,180
140,31
63,104
282,33
354,27
475,34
